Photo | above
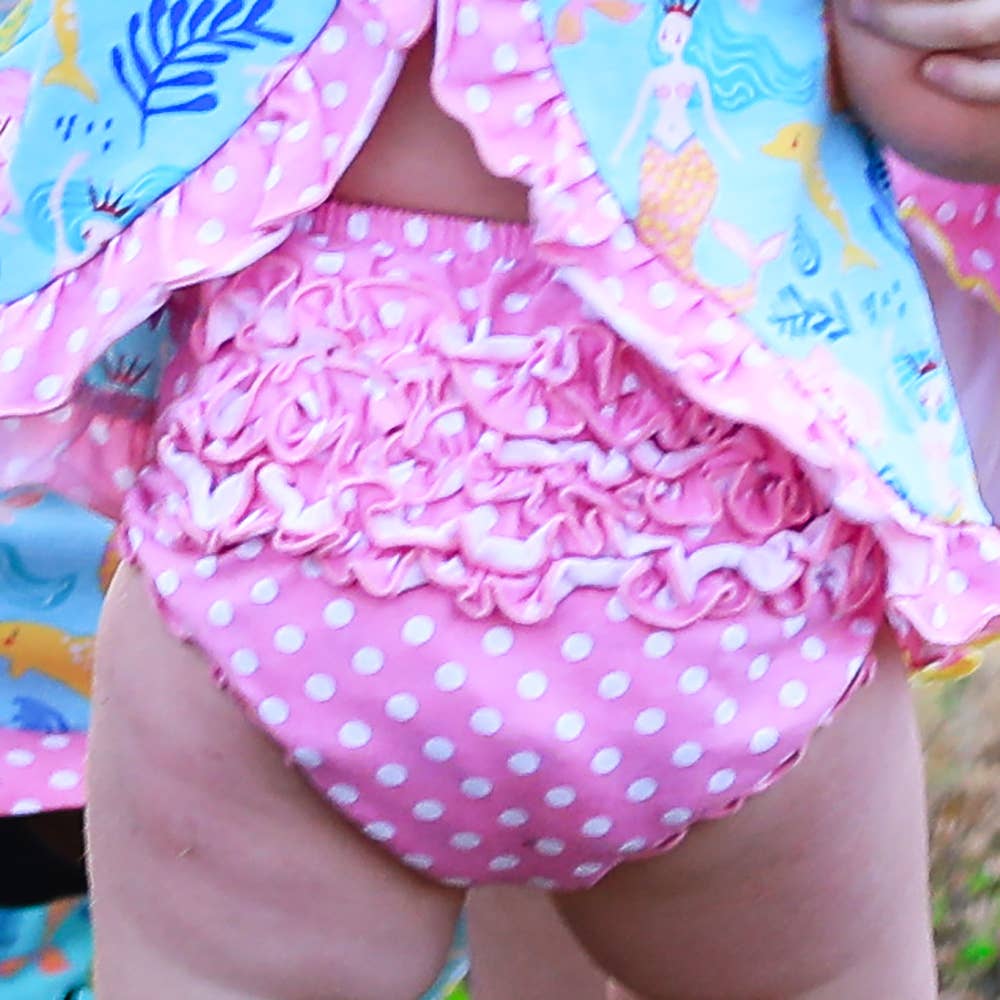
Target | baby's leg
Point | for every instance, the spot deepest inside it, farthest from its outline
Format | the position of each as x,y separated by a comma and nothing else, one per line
218,874
817,890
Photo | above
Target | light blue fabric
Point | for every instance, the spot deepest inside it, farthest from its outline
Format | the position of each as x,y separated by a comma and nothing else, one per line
115,86
844,281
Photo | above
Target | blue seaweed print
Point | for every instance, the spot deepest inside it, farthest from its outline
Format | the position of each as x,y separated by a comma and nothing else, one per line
174,72
35,716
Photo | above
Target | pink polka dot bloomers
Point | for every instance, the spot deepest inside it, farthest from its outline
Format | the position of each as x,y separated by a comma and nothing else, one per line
531,547
515,605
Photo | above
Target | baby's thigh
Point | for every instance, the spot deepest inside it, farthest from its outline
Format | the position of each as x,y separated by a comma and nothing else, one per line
816,889
217,872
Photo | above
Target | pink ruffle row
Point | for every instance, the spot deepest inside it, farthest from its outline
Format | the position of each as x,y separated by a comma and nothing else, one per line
371,423
958,223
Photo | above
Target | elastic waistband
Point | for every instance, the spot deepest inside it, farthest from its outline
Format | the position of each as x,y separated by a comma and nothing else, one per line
370,225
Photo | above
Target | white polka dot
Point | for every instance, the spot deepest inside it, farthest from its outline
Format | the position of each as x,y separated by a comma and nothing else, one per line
476,788
793,694
11,359
402,707
419,861
467,21
947,211
792,626
428,810
478,237
989,547
64,780
307,757
596,826
513,817
505,58
25,807
726,711
733,638
273,711
57,741
416,231
616,610
642,790
658,645
244,662
359,226
524,762
551,847
343,795
19,758
957,582
368,661
759,666
221,613
536,418
392,314
764,740
450,676
225,180
486,721
516,302
813,649
588,869
693,680
687,754
354,735
333,39
650,721
108,301
249,550
168,582
339,613
211,232
48,388
380,831
330,263
721,781
504,863
632,846
289,639
569,726
265,591
606,760
531,686
478,98
577,647
320,687
662,295
206,567
982,259
614,685
498,641
560,797
418,630
677,817
465,841
439,749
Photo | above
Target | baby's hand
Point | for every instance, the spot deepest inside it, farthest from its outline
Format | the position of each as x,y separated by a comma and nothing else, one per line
961,36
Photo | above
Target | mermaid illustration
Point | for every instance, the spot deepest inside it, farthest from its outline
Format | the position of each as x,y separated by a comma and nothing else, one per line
679,182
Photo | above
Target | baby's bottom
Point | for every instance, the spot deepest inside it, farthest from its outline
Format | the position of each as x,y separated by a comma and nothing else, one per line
223,876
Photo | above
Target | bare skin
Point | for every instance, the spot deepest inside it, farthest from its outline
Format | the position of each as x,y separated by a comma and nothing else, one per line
219,875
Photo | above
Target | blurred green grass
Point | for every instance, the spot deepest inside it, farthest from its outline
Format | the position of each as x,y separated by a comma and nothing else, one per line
961,727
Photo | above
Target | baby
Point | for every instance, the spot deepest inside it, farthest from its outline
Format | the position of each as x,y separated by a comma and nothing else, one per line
554,442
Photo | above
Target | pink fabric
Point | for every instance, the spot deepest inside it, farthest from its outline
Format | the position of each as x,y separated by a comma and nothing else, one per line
40,771
517,606
958,223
